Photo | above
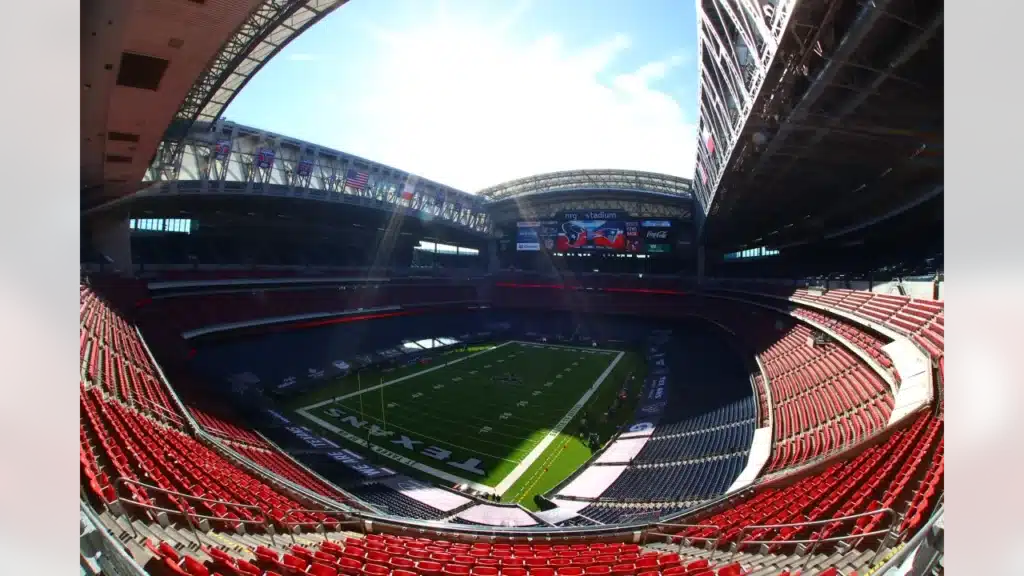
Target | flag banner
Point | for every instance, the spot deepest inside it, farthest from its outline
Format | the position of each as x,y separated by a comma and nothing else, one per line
709,140
305,167
223,149
356,179
703,173
768,10
409,190
265,158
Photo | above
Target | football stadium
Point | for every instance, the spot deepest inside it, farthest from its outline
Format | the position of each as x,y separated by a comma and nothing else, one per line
297,360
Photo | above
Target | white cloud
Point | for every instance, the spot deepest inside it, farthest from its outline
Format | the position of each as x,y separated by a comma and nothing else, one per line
471,109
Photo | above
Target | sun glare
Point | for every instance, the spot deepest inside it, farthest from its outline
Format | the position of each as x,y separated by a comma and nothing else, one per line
474,104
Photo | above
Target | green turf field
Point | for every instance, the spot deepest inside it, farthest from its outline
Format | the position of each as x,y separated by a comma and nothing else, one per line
504,417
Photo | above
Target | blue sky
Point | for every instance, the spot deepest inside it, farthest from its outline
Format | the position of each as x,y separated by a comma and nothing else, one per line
472,93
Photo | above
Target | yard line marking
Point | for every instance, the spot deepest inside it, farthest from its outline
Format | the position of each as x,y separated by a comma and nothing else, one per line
434,415
538,473
533,449
530,423
403,378
422,435
442,474
541,446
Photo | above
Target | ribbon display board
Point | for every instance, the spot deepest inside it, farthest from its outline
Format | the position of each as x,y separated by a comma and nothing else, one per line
654,397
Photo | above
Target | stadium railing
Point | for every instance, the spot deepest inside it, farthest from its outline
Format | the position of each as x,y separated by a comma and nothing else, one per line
634,531
99,548
818,540
718,533
344,519
925,541
190,517
215,443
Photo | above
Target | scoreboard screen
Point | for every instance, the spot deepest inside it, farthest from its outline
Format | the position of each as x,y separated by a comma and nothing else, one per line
607,232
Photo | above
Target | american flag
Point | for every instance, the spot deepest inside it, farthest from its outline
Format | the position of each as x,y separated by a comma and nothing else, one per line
709,140
356,179
409,190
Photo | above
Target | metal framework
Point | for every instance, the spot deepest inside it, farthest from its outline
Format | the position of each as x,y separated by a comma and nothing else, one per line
737,41
264,33
538,208
226,160
590,180
830,121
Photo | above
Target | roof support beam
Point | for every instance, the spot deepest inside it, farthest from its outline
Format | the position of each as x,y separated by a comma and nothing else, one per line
858,31
270,16
855,101
926,196
900,59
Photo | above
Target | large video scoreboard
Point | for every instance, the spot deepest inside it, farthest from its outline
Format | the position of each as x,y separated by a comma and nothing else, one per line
607,232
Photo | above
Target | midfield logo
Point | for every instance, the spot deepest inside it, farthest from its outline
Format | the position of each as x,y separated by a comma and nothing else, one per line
507,378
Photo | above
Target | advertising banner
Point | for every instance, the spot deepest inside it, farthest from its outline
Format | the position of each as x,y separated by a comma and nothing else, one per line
596,231
654,396
534,236
265,158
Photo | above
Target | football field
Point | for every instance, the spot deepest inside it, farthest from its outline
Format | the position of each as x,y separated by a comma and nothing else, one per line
488,418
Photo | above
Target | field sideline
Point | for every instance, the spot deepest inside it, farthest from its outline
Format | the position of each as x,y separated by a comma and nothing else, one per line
498,419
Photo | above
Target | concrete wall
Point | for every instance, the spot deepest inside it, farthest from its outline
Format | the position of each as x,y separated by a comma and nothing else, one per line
112,238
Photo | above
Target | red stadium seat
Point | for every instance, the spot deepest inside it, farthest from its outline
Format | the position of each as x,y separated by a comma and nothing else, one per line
318,569
624,570
429,567
452,569
350,566
375,570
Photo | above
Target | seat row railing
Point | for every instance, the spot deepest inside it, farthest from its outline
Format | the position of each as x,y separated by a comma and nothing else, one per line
670,531
342,519
190,518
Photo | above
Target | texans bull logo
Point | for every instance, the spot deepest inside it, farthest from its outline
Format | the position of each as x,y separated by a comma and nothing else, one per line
575,234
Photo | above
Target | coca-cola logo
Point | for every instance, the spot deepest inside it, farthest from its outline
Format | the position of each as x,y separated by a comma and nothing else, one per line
657,234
